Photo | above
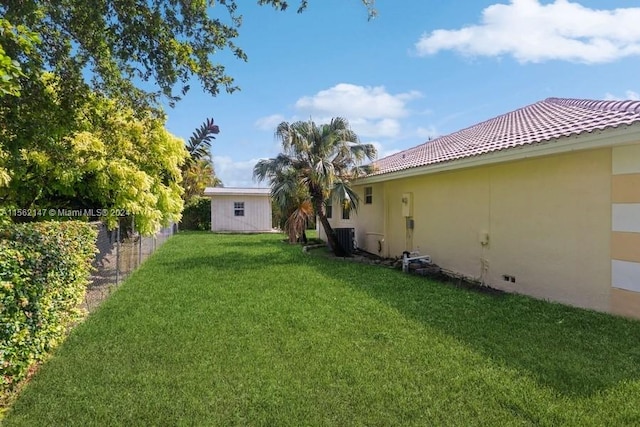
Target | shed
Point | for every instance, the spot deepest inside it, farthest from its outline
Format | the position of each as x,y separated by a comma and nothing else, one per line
243,210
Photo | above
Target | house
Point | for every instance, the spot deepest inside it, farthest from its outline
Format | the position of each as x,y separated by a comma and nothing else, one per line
244,210
543,201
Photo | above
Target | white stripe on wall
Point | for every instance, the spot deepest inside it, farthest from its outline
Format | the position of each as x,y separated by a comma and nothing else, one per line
625,217
626,159
625,275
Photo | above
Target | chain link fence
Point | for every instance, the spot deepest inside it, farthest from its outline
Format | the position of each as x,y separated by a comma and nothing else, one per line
120,252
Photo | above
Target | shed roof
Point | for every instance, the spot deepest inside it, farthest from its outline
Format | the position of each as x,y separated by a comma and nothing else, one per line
537,123
230,191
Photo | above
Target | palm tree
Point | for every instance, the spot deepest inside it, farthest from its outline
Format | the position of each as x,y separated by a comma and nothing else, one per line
292,204
197,171
197,177
323,159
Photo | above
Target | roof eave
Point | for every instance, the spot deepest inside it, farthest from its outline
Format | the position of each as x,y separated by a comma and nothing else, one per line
621,135
224,191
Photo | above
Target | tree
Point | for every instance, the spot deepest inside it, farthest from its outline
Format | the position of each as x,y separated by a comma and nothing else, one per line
197,177
292,204
166,42
324,159
10,70
106,157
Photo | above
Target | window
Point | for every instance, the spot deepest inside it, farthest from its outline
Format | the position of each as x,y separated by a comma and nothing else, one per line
238,208
346,211
329,209
368,195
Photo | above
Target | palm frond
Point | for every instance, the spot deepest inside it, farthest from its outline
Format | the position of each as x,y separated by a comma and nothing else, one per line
199,144
343,192
297,222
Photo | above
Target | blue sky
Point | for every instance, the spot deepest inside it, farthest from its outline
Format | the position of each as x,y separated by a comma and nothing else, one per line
421,69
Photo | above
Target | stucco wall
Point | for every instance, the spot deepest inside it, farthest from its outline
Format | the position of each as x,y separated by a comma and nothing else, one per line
548,227
257,213
547,220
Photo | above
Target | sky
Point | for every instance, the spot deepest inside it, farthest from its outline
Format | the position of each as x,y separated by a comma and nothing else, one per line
419,70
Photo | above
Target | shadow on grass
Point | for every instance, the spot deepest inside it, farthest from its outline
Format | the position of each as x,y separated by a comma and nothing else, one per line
574,351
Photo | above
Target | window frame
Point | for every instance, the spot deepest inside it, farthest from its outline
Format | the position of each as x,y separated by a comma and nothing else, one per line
368,195
346,211
238,209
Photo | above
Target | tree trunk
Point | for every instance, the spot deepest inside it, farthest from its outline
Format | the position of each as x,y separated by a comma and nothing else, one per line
332,240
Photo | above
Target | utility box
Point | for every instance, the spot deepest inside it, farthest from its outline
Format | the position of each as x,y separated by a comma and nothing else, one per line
407,204
483,237
347,239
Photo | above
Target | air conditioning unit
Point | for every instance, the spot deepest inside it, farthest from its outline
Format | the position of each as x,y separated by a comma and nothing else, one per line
347,239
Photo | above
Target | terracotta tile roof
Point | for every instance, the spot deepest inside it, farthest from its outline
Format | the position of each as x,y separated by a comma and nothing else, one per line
533,124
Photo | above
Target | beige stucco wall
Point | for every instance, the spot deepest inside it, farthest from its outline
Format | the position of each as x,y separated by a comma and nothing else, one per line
257,215
370,218
548,226
548,222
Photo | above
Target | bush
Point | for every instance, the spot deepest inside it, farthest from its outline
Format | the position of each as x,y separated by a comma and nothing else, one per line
197,215
44,271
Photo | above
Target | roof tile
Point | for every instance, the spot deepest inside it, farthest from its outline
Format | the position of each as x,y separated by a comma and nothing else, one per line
536,123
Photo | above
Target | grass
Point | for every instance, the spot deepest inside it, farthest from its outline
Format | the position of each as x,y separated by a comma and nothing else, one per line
246,330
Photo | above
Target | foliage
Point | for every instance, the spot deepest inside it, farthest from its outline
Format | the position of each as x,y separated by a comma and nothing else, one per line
322,159
243,330
44,271
291,203
296,224
10,74
197,171
197,215
10,69
198,176
107,157
199,144
118,43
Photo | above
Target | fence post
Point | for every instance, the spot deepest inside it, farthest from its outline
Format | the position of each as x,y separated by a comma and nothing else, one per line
118,253
139,249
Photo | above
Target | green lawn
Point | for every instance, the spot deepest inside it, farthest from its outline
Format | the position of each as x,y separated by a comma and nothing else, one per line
246,330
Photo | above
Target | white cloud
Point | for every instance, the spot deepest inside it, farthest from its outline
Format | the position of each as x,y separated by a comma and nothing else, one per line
634,96
236,173
535,32
371,110
269,122
382,152
385,128
367,102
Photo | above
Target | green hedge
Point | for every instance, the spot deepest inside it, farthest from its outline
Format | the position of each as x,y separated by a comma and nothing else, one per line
197,215
44,271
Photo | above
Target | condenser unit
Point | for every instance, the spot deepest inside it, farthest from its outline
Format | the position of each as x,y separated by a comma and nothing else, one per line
347,239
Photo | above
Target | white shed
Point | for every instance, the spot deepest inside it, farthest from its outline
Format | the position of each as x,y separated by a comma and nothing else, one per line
244,210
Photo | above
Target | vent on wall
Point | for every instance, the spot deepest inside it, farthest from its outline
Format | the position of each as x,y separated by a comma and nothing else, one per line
508,278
